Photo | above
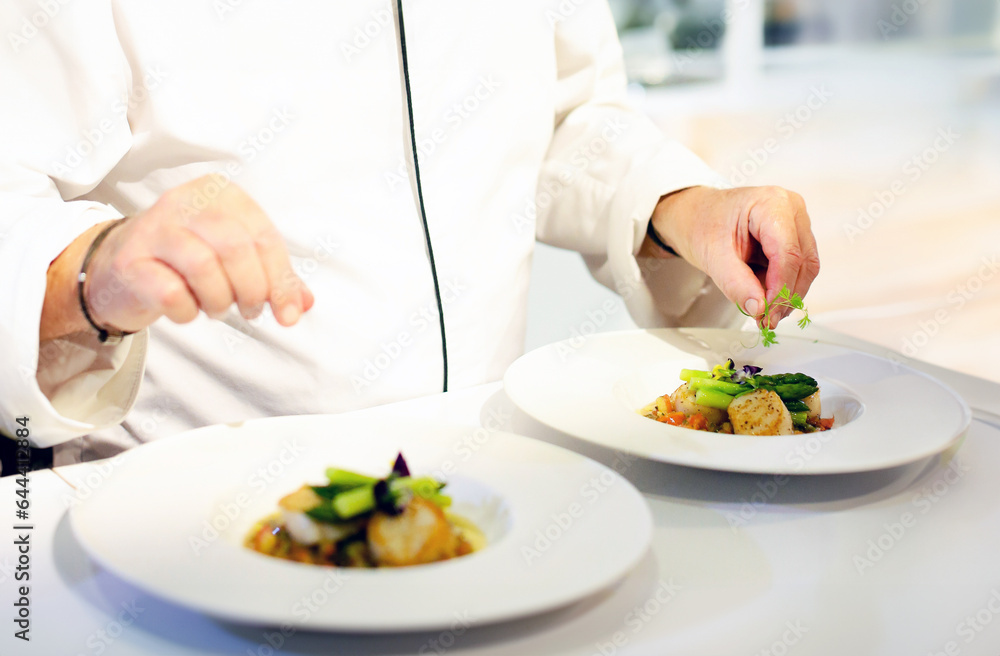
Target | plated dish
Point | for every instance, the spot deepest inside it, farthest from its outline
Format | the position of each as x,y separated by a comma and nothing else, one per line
884,413
742,401
357,520
174,518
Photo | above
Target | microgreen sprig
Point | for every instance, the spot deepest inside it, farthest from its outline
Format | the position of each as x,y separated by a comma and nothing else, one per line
785,298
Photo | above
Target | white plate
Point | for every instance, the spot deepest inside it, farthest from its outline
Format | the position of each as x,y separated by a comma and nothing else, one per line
173,517
886,414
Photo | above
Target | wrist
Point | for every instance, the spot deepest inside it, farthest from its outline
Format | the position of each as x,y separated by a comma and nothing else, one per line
661,234
105,333
61,312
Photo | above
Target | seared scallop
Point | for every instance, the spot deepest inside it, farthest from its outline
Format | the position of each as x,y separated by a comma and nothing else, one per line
300,500
303,528
814,405
420,534
683,400
760,412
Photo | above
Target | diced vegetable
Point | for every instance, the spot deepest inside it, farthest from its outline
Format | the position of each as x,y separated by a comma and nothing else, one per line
674,418
664,405
697,421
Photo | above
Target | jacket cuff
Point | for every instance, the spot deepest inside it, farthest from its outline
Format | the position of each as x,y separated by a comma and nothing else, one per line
66,387
660,292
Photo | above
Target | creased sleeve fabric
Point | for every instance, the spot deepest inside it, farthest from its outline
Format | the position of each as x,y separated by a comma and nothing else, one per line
64,109
605,171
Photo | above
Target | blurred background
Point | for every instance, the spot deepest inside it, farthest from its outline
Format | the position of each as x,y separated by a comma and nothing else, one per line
883,114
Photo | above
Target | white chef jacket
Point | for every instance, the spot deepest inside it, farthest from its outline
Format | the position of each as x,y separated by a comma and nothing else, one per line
522,127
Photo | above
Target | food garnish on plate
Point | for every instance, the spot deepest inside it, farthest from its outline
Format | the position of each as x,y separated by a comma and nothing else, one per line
785,299
361,521
743,402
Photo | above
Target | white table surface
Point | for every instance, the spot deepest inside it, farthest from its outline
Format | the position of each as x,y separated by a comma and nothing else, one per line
776,573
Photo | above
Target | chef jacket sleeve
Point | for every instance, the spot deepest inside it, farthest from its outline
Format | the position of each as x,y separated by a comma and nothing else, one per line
67,90
606,168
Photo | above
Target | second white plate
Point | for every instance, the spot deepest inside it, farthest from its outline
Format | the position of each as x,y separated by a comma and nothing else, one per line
887,414
173,517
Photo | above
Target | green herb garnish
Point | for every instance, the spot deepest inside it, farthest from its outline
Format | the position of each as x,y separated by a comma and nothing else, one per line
785,298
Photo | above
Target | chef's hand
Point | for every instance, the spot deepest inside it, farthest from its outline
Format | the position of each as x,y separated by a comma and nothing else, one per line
750,240
184,254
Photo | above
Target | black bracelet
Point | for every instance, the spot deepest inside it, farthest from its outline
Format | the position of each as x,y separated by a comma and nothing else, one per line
651,233
103,333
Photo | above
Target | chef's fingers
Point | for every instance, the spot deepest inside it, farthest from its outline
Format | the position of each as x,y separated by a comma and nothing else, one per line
237,254
199,266
159,291
773,224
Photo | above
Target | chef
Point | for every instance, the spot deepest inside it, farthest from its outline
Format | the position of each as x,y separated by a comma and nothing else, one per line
213,211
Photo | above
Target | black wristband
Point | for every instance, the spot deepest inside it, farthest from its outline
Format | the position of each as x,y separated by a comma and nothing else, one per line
103,333
651,233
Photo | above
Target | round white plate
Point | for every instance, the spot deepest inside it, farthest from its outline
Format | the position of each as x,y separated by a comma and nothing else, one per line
173,517
886,414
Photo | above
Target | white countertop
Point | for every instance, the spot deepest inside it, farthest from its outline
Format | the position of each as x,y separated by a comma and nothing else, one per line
903,561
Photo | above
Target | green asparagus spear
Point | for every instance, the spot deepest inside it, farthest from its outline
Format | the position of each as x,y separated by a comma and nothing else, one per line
688,374
715,385
790,387
713,399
